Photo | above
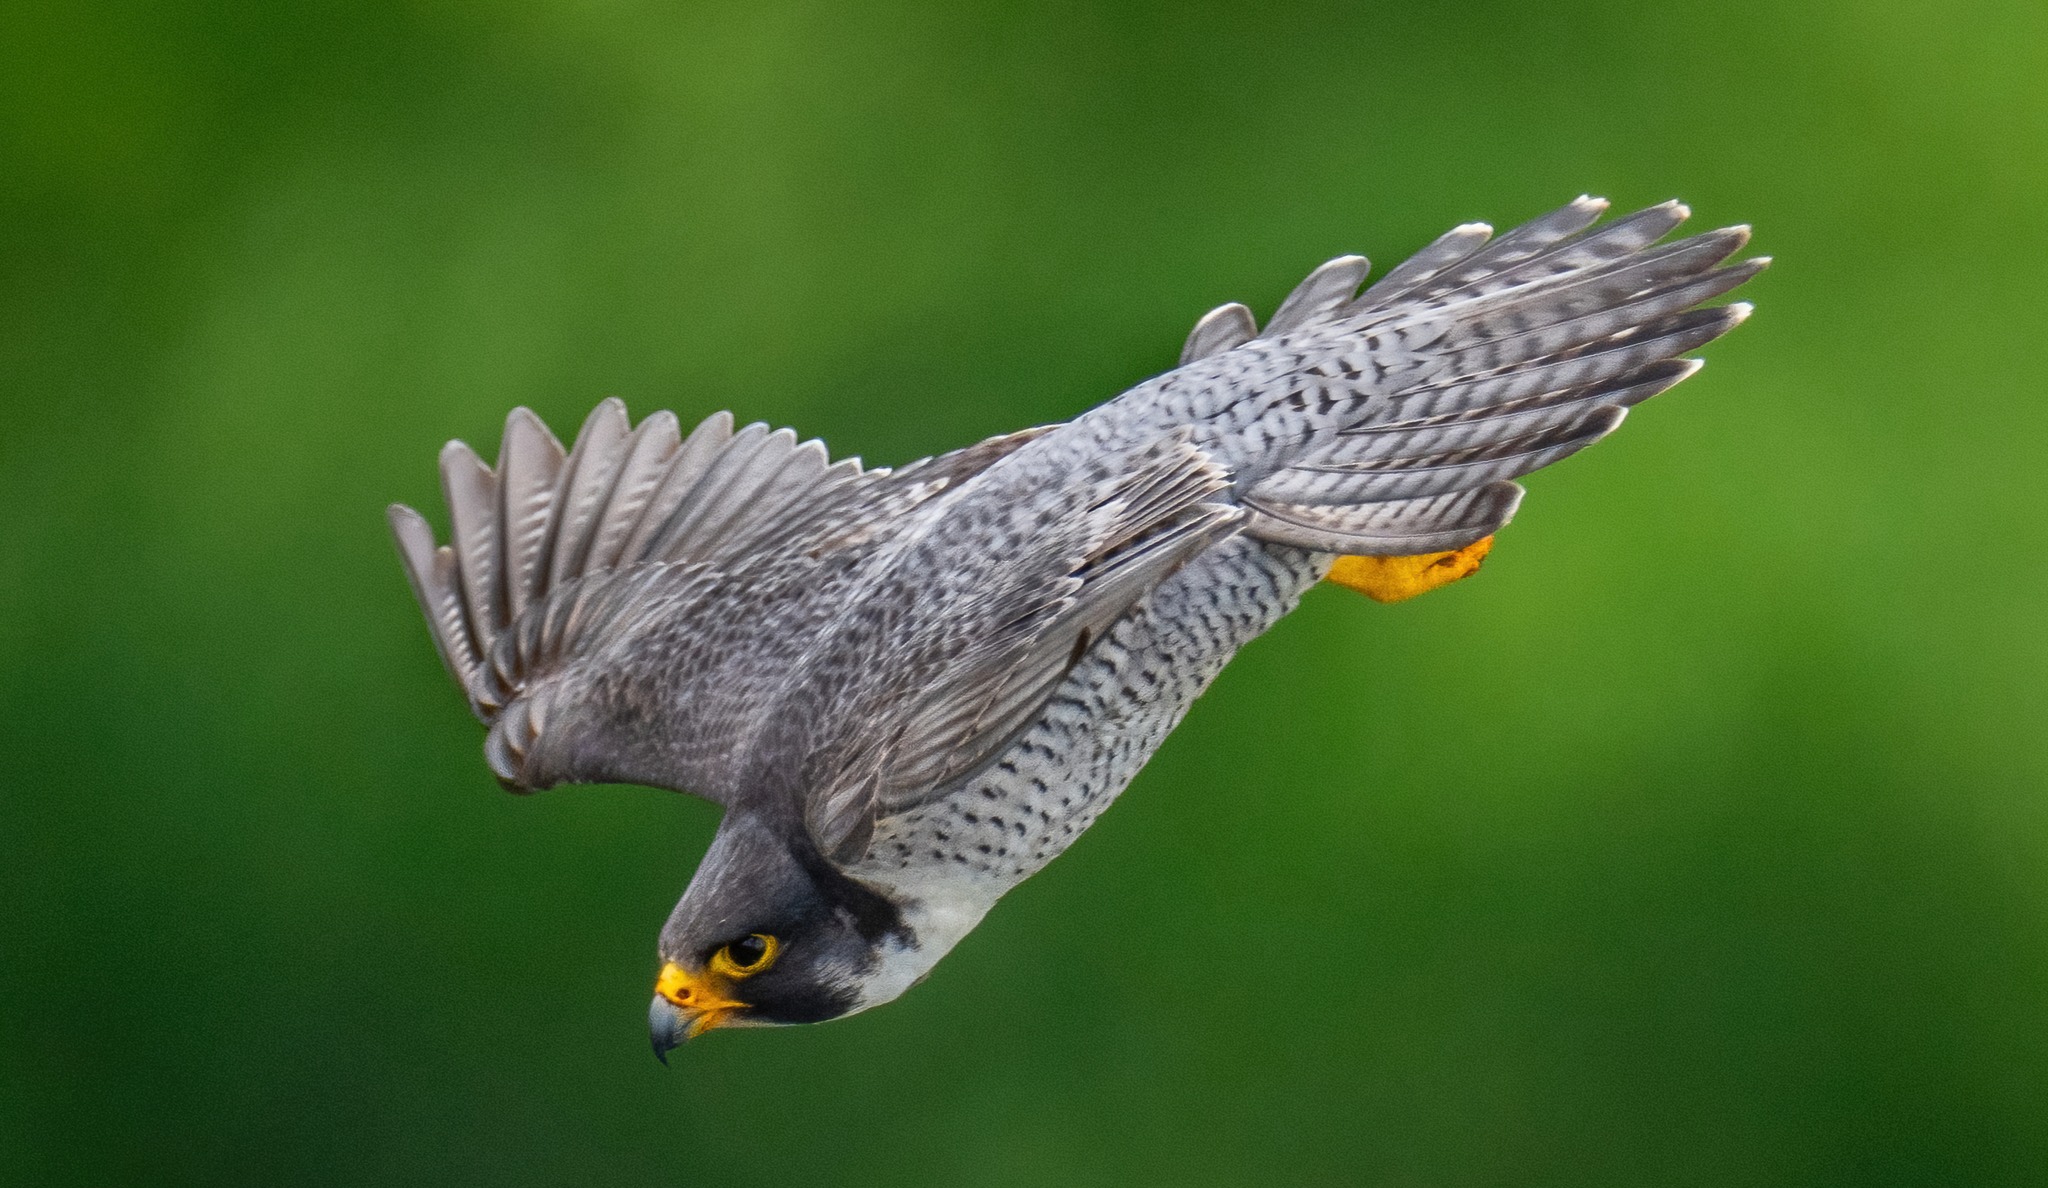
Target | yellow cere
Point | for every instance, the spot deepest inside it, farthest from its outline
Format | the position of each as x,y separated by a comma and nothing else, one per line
693,992
1395,579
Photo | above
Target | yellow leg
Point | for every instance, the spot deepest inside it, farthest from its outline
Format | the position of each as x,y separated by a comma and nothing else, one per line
1393,579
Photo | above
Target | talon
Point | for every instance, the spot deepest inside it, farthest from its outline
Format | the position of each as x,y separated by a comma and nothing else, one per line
1396,579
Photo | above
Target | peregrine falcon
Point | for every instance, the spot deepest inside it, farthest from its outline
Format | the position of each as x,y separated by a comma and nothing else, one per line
910,689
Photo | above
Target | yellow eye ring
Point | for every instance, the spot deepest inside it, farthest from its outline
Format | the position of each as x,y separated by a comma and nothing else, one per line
727,963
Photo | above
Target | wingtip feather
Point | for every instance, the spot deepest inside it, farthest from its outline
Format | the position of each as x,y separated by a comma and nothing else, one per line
459,452
415,536
1224,328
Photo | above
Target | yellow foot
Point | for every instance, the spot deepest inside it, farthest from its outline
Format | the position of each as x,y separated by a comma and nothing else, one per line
1393,579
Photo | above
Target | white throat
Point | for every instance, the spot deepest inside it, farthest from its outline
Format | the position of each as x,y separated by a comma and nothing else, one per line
937,926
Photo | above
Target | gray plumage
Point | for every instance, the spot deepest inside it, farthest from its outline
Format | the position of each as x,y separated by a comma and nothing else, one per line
911,688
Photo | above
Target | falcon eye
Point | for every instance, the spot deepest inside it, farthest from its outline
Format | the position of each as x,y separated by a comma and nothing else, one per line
747,956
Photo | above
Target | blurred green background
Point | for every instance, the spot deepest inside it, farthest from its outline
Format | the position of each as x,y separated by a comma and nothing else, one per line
1703,839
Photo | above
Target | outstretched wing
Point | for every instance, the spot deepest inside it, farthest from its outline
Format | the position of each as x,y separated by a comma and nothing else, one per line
558,555
1392,421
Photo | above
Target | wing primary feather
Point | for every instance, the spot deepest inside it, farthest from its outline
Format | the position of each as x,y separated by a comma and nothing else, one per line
431,573
706,443
1401,527
1446,251
1220,329
1620,355
592,472
649,451
1443,470
1538,235
720,490
1478,278
529,470
1329,287
1582,319
1422,438
471,491
791,476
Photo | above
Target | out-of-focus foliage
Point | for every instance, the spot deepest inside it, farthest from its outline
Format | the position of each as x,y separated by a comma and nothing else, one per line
1701,839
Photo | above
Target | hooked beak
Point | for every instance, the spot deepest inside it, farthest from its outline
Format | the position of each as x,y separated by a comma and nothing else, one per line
665,1026
685,1006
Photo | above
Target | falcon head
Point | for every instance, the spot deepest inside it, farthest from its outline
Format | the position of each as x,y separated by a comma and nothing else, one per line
771,933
